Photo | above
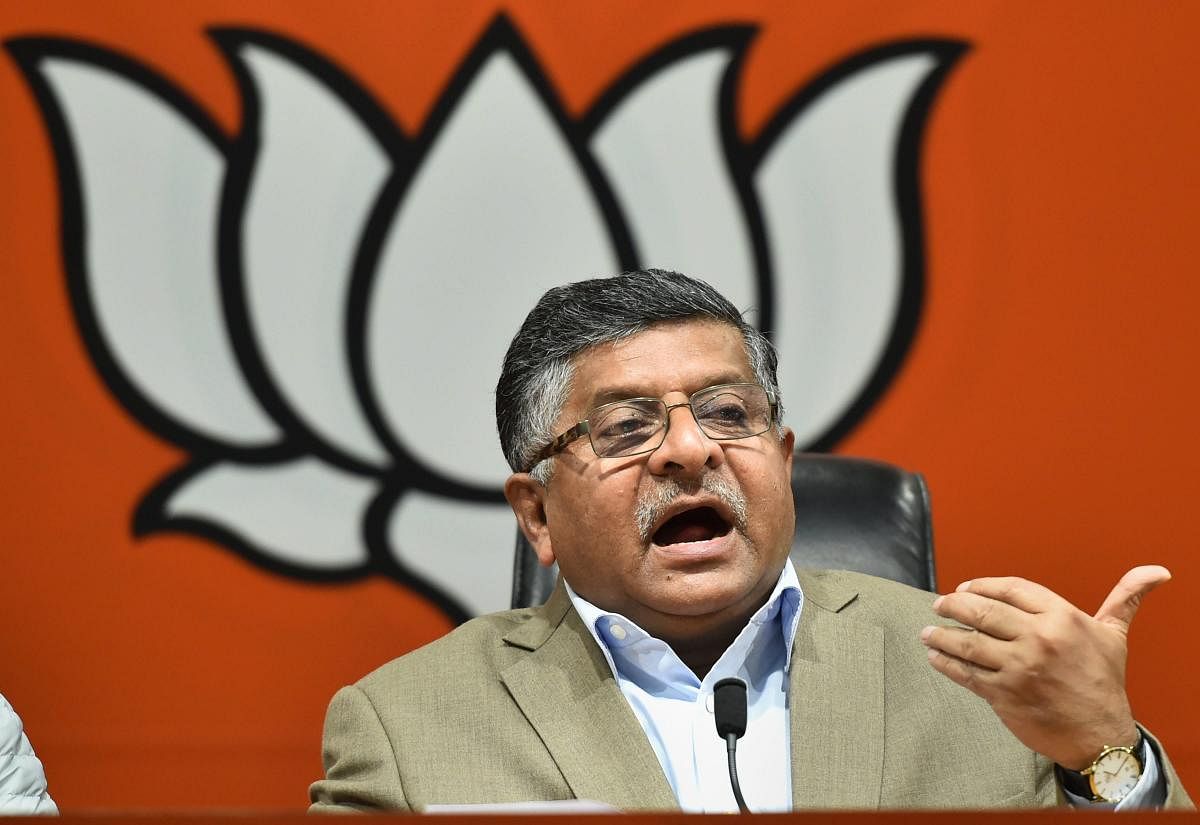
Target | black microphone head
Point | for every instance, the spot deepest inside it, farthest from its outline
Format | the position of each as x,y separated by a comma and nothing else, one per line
729,707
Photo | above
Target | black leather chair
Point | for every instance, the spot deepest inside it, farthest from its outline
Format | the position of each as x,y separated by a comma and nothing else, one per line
851,514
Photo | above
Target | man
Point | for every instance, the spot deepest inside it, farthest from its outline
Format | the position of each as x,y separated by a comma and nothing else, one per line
641,417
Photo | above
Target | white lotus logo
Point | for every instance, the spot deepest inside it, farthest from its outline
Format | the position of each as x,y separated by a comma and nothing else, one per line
315,310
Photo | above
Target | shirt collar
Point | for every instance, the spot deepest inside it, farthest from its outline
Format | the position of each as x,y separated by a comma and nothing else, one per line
785,602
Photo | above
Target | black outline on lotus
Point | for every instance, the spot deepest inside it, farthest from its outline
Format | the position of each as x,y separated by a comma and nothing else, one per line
406,154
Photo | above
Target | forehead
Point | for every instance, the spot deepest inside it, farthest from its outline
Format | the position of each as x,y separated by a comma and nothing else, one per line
682,356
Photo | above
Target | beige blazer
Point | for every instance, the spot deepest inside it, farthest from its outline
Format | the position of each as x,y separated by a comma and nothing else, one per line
521,706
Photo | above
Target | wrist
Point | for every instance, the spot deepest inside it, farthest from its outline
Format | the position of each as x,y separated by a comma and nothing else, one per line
1086,751
1110,761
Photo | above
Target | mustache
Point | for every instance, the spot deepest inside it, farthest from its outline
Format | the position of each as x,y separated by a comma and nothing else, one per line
656,500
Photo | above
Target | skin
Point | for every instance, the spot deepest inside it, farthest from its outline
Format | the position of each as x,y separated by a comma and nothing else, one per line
1053,674
695,596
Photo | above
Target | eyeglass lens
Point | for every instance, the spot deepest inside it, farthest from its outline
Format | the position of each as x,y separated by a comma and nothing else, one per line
640,424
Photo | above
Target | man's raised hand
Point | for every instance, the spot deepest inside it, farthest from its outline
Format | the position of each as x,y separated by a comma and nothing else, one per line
1053,674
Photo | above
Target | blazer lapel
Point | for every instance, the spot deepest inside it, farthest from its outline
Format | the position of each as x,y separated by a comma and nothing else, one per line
836,698
569,695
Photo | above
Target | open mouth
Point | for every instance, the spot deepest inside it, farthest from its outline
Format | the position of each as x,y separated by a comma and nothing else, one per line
700,524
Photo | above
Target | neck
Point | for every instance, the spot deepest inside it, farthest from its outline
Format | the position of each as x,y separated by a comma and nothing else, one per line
698,640
701,650
699,659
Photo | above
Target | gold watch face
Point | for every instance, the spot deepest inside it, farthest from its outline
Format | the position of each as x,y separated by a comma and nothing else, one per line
1115,773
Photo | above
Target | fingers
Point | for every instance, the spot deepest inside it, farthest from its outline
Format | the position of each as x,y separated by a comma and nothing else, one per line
971,676
965,645
1001,617
1122,603
990,616
1020,593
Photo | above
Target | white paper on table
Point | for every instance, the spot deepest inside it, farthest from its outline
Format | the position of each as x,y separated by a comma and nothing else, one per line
555,806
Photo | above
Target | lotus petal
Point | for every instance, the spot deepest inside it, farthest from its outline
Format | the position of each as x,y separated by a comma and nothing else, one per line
465,551
499,211
315,179
827,192
303,513
149,185
662,149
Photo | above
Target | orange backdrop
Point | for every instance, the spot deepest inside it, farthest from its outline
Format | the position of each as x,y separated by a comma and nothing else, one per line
1049,395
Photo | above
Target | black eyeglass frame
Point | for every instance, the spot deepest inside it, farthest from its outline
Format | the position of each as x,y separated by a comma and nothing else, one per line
583,428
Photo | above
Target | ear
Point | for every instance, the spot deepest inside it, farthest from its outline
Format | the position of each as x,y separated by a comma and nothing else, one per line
528,501
788,445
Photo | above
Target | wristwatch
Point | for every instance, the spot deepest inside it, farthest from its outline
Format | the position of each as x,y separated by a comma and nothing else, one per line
1112,774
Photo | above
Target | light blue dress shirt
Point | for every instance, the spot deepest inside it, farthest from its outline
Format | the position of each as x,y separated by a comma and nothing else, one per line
675,708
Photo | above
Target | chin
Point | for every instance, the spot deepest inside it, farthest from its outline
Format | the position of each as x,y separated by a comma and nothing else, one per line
697,595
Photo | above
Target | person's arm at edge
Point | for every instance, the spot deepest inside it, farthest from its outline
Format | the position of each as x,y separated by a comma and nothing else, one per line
22,781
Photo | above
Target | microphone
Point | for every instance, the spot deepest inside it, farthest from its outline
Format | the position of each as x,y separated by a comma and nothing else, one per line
729,712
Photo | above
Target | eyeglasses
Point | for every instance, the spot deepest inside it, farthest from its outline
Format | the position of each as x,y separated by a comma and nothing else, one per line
639,425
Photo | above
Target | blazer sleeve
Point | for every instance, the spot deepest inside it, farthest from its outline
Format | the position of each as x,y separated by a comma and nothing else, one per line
1177,797
361,771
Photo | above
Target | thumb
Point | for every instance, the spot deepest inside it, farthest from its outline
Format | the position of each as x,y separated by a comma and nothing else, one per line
1122,603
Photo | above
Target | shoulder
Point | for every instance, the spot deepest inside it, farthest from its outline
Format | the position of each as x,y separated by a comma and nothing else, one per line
13,742
10,729
837,598
842,607
864,595
897,610
474,647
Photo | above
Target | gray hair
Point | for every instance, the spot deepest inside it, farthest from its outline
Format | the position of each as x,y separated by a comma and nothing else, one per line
539,365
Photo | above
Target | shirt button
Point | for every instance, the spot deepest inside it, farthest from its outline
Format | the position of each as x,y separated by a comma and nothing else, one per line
618,632
708,703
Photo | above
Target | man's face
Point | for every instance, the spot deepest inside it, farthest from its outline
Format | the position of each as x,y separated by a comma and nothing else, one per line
699,564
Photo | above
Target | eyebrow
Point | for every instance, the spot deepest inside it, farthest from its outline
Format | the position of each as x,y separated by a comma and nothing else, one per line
621,393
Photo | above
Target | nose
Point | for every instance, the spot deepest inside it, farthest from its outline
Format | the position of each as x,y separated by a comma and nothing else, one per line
685,450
